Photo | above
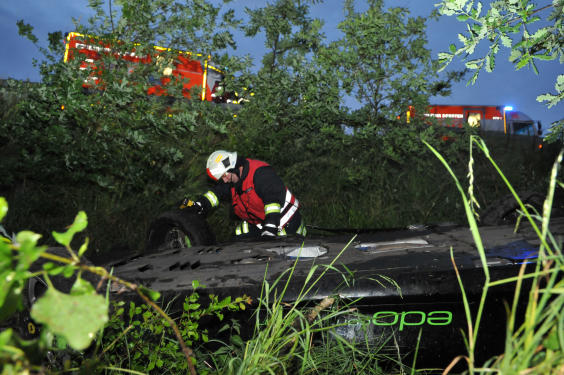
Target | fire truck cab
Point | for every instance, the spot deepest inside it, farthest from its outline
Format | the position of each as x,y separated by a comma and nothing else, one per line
503,119
196,71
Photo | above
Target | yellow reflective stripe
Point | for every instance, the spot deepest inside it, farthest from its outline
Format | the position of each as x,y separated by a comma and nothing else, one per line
245,227
302,229
282,232
205,78
212,198
272,208
238,230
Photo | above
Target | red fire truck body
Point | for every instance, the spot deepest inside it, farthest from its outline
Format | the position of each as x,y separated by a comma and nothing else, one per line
486,117
195,73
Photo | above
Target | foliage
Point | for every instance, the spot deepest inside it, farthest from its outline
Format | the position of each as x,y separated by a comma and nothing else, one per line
77,315
197,26
289,32
531,33
291,94
139,339
537,344
74,318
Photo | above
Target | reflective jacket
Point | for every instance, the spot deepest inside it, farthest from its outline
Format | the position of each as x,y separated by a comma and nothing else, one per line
250,207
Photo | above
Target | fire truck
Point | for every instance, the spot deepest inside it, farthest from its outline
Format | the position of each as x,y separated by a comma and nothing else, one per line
503,119
196,71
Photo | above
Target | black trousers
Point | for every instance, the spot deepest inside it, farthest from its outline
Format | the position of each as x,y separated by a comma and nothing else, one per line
246,231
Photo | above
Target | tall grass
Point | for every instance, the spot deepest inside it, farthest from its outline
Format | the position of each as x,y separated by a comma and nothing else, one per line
292,338
534,342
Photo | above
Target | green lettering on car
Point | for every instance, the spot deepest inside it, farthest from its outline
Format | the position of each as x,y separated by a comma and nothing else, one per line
444,319
404,322
385,314
412,318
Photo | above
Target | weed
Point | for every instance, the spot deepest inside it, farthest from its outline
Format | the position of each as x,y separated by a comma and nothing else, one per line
536,345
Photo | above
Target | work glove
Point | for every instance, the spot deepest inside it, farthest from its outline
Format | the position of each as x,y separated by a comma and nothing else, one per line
188,204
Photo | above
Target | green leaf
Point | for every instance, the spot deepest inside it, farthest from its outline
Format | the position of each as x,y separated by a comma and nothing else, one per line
79,224
3,208
236,341
463,39
551,342
515,55
524,61
194,306
10,295
473,64
452,48
68,271
545,57
478,10
462,17
83,248
29,251
225,327
26,30
5,337
153,294
474,77
77,318
505,40
81,287
551,99
534,66
489,64
224,302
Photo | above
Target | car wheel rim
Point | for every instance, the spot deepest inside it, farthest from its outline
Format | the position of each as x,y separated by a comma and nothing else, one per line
177,239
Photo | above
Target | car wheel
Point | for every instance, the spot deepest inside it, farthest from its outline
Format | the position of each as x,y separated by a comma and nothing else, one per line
176,230
504,210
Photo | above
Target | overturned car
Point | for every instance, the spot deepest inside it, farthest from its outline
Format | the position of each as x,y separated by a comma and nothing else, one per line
403,281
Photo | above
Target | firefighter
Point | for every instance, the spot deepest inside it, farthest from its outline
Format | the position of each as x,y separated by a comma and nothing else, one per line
259,197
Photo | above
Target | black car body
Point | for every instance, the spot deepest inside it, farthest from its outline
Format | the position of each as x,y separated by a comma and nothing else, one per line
403,281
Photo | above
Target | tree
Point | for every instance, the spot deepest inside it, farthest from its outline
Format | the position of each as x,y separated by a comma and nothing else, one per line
290,89
382,60
189,25
289,32
532,33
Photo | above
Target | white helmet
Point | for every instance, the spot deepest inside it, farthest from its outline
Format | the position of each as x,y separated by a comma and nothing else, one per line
219,162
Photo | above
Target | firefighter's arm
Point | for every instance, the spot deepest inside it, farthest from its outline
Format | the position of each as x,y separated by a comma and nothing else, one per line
209,200
270,188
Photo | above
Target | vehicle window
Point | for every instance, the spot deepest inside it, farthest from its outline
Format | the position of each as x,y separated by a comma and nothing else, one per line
523,128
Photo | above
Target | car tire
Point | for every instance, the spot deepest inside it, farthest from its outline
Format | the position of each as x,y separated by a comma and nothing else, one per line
178,229
504,210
